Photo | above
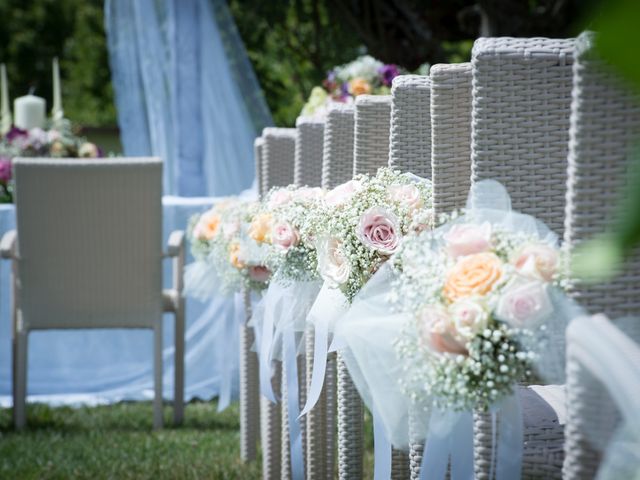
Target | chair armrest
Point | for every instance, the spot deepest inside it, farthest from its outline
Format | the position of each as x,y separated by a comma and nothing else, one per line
176,250
8,245
175,245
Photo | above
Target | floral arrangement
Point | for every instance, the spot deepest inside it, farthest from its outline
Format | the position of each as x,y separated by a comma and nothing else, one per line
289,233
362,222
220,238
480,295
364,75
37,142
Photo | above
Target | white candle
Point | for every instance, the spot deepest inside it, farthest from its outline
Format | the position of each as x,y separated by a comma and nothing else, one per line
29,112
56,112
5,112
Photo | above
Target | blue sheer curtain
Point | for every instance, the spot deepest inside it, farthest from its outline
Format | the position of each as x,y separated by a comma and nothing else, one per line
185,91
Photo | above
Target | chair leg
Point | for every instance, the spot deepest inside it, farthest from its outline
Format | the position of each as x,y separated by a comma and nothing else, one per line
157,376
178,402
20,345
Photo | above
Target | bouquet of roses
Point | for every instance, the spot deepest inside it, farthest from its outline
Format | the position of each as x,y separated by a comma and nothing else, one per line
292,253
364,75
362,223
220,242
37,142
482,295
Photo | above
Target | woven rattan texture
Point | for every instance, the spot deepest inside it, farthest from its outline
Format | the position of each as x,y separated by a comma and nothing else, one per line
309,147
520,121
258,145
278,157
605,122
450,135
271,431
249,390
331,386
337,159
410,137
350,425
315,420
371,142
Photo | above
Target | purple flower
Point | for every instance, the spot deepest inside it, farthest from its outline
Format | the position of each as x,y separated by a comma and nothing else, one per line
5,169
388,73
15,134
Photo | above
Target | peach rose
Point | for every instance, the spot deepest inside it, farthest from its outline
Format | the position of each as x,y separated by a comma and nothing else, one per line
468,238
359,86
473,275
438,332
259,273
235,256
285,236
537,260
260,228
207,226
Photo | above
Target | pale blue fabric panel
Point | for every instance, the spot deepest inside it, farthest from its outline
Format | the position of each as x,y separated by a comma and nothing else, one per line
94,366
185,91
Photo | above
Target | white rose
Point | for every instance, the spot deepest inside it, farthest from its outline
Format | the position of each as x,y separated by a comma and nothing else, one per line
333,263
469,318
524,304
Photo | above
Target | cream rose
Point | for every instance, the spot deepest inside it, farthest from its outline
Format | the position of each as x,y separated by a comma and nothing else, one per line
438,332
473,275
333,264
342,193
469,318
468,238
307,194
537,261
379,229
407,195
279,197
524,304
284,235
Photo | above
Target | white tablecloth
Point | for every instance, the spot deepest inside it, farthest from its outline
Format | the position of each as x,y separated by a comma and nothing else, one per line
100,366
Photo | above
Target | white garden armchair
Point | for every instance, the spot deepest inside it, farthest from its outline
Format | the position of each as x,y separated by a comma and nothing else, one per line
87,253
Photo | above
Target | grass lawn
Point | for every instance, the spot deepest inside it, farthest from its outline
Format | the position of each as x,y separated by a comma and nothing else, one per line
117,442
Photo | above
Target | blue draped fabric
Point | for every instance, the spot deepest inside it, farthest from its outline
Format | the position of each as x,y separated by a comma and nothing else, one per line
186,92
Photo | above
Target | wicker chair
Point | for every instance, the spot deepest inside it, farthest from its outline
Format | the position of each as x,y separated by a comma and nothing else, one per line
249,382
87,253
278,159
449,129
410,138
602,366
307,172
337,168
605,121
520,134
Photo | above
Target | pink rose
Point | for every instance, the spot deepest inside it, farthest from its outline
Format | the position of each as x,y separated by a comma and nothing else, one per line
284,236
342,193
259,273
469,318
538,261
279,197
407,195
524,304
5,169
379,229
467,238
438,331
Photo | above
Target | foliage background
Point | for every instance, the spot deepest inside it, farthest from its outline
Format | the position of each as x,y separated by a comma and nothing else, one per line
291,43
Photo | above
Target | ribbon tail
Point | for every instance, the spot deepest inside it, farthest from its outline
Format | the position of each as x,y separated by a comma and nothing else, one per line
224,397
437,448
461,447
293,405
381,450
319,366
266,388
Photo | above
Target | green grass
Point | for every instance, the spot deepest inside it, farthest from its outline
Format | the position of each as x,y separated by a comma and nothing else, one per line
117,442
